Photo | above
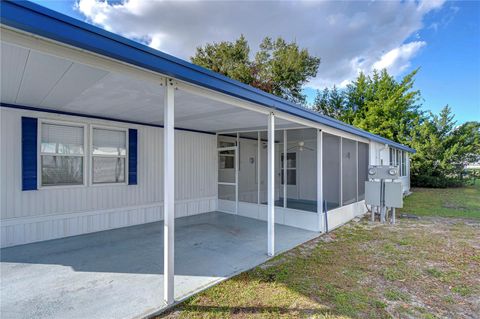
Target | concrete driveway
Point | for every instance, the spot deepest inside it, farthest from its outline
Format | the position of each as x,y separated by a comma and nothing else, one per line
119,273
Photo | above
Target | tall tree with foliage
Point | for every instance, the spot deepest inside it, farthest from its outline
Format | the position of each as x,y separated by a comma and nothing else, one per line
443,149
381,105
279,67
330,103
228,58
322,103
377,103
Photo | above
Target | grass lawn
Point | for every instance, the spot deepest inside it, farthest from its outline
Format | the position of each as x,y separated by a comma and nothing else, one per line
425,268
449,202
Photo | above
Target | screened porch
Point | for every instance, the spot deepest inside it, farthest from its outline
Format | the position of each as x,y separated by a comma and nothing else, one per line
311,167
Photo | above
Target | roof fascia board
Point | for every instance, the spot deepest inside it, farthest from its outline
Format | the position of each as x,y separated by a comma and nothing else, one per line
47,23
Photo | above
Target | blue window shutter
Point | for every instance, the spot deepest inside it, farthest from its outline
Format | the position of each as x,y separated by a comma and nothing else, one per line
29,153
132,156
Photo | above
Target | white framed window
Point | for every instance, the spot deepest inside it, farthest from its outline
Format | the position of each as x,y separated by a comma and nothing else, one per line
61,153
108,155
291,168
404,164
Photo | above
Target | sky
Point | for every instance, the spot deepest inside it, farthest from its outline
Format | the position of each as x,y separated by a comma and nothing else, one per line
441,38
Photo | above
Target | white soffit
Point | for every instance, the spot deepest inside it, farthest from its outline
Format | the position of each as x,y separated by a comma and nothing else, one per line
42,80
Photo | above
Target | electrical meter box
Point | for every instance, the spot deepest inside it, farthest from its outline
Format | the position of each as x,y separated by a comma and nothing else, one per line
393,194
372,193
383,172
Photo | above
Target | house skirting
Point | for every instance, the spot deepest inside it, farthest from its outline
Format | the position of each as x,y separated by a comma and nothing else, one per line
24,230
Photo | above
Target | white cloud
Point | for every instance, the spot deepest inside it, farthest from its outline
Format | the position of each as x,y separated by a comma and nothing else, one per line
348,36
398,60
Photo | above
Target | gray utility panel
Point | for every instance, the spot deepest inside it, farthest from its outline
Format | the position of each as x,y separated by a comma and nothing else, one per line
383,190
393,194
372,193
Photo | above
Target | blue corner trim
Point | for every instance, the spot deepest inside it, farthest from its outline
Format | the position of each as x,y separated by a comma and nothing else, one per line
29,153
33,18
132,156
37,109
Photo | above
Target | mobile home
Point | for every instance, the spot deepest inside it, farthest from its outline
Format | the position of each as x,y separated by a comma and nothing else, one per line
100,133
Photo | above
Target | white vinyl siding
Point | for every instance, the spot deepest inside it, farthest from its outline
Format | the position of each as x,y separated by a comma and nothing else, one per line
53,212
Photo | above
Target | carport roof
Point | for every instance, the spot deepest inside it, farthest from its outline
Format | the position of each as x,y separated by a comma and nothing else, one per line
47,23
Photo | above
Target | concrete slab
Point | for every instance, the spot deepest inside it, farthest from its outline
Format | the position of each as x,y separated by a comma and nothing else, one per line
119,273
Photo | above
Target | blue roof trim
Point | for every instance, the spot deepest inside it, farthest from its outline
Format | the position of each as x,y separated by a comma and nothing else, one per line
44,22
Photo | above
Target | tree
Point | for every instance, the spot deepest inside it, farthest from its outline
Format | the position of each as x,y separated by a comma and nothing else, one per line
279,67
228,58
383,106
443,149
330,103
321,103
378,104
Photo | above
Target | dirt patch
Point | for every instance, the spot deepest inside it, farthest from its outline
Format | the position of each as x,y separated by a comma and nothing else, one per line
454,206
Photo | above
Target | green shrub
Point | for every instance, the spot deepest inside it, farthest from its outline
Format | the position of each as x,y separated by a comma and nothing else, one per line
436,181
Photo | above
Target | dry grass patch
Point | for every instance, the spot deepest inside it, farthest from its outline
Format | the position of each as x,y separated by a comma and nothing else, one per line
417,269
425,268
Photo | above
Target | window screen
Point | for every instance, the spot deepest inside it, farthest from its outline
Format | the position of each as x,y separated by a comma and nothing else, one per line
62,139
109,151
291,168
362,169
248,166
349,171
331,170
109,142
61,154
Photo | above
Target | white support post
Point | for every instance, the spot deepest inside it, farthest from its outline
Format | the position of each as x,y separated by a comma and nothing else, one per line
341,171
259,180
356,179
284,168
168,193
271,184
407,165
237,168
321,217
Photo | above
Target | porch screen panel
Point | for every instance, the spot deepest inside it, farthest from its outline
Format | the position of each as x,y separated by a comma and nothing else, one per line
349,171
278,168
248,171
226,158
226,140
226,166
362,169
331,170
226,192
301,165
263,168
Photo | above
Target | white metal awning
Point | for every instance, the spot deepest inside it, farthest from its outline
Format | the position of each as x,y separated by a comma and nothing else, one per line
40,74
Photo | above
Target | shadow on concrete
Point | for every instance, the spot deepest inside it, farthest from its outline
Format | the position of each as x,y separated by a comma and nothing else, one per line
212,244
